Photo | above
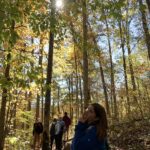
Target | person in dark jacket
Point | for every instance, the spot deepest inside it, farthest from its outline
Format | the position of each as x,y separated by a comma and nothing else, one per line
52,132
91,130
67,121
37,131
59,130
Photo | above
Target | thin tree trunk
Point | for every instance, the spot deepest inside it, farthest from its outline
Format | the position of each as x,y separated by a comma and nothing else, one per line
3,104
15,108
37,106
48,80
102,75
113,89
131,64
69,90
81,100
28,98
72,95
85,56
104,86
148,4
5,97
8,114
76,80
53,108
124,67
42,82
14,115
58,100
145,27
42,103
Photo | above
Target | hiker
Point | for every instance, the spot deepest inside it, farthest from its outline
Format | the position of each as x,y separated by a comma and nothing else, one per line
67,121
59,130
91,130
52,132
37,131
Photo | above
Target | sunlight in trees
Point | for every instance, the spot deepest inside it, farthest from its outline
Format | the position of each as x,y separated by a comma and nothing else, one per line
59,3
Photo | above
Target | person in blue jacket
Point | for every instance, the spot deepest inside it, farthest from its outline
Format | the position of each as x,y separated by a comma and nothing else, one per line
91,130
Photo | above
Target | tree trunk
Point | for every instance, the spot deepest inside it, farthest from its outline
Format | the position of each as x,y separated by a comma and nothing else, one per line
81,100
113,89
104,87
42,81
69,96
28,98
145,27
131,64
48,80
58,100
42,103
5,96
76,80
102,74
85,56
148,4
37,106
3,104
14,115
72,95
124,67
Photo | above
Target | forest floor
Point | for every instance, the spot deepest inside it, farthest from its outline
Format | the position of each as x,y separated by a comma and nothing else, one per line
134,135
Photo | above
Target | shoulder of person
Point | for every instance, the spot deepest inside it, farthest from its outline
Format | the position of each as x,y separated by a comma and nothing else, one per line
91,129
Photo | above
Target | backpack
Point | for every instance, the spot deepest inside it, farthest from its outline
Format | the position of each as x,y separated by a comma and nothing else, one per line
60,127
38,127
52,129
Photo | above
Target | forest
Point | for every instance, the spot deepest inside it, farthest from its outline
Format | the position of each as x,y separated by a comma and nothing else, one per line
60,56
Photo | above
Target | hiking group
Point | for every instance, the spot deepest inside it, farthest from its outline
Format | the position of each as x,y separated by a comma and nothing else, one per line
58,128
90,131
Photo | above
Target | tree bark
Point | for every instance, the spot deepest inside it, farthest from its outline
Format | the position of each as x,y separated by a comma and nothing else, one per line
42,80
113,89
124,67
104,87
37,106
85,56
76,80
131,63
81,100
48,80
58,100
148,4
102,74
145,27
3,104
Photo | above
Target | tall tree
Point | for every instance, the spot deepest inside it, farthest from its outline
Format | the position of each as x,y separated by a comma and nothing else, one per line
76,80
101,72
48,79
122,38
113,88
127,33
145,26
148,4
85,55
5,90
41,73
